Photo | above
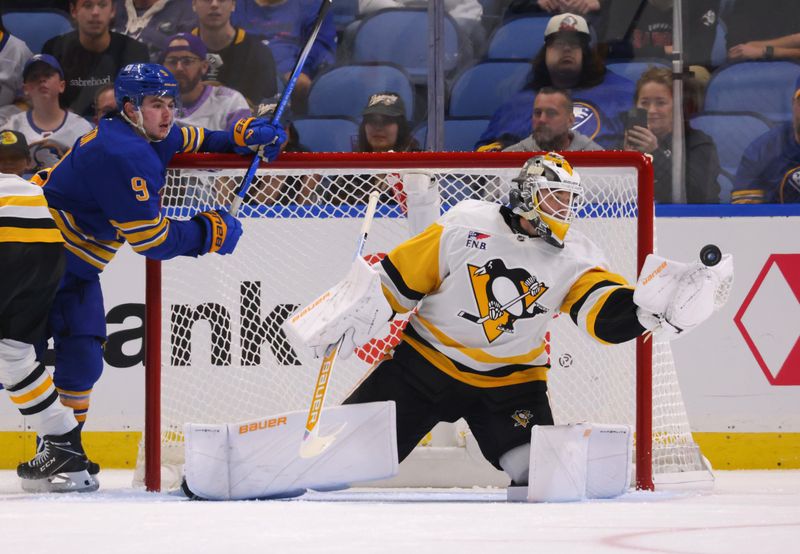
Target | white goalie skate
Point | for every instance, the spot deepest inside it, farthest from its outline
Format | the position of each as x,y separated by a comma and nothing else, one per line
59,466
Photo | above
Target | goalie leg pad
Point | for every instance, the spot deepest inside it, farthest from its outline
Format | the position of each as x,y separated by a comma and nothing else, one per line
259,458
575,462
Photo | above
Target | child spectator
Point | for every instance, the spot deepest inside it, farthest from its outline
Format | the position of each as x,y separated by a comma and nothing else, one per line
15,158
49,130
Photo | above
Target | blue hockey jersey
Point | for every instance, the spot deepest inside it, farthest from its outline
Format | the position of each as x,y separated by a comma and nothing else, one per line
770,169
105,192
598,114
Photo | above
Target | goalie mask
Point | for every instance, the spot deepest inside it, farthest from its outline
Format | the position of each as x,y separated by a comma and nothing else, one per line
549,195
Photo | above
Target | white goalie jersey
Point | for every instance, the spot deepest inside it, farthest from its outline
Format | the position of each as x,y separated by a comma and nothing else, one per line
485,295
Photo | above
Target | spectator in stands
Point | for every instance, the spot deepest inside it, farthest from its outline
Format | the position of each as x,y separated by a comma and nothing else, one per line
202,105
384,127
15,158
154,21
770,168
13,55
467,14
104,102
633,29
236,59
754,21
553,122
49,129
654,94
92,55
285,25
565,61
787,47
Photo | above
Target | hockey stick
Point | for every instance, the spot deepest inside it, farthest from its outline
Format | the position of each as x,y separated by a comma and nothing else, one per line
475,319
285,95
313,444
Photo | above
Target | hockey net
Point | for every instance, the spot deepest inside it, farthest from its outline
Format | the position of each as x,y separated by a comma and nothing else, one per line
221,356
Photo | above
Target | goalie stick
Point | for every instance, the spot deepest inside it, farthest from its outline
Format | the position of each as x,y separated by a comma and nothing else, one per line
313,444
285,95
476,319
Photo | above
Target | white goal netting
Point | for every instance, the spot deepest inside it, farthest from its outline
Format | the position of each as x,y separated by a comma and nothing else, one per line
225,358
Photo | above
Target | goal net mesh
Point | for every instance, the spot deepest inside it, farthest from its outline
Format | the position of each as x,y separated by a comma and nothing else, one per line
225,358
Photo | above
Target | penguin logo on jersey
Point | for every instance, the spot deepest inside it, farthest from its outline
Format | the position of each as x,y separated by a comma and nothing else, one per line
522,418
503,296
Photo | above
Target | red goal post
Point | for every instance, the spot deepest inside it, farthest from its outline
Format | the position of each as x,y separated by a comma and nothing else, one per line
186,171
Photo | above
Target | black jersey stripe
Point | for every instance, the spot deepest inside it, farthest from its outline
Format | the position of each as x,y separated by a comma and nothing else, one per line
41,406
617,322
33,376
28,223
397,280
576,307
499,372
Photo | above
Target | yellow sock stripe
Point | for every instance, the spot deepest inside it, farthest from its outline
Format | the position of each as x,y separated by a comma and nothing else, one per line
41,390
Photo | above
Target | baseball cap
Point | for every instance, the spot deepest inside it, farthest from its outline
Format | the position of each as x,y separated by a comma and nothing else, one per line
385,103
566,23
13,141
46,59
193,44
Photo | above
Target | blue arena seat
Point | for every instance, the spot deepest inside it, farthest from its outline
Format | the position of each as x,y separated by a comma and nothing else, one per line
400,36
764,87
633,69
479,90
37,27
518,39
732,132
327,134
343,91
460,135
344,12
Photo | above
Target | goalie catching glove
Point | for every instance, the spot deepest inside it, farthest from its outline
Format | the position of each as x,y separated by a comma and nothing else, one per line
354,308
674,297
254,133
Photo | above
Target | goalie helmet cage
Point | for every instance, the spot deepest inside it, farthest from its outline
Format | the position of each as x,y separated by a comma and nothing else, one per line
302,216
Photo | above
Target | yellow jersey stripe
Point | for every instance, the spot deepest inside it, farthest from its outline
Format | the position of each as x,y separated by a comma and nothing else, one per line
32,394
27,201
18,234
446,365
417,260
145,234
478,354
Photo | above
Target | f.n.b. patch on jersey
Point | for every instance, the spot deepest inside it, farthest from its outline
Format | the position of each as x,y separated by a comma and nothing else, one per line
477,240
502,295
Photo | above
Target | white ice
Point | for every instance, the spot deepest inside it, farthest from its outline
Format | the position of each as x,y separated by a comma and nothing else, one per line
746,512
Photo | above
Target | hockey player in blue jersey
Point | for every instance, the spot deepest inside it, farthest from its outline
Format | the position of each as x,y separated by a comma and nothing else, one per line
105,192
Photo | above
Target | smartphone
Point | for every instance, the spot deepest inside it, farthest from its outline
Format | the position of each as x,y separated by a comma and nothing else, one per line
635,116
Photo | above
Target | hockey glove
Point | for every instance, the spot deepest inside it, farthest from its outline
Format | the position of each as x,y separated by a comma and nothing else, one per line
354,308
222,231
252,134
673,297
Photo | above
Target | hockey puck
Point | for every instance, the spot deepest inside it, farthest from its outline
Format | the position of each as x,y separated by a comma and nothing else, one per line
710,255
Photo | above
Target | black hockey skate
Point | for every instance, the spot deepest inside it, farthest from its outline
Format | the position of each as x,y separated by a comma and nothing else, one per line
59,466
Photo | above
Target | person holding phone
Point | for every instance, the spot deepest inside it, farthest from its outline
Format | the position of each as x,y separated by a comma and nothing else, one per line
648,129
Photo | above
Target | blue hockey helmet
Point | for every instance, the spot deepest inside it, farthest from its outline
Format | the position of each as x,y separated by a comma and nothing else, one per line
137,80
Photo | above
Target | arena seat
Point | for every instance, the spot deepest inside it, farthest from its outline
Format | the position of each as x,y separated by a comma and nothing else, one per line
400,36
460,134
344,13
343,91
327,134
518,39
633,69
732,132
479,90
36,27
764,87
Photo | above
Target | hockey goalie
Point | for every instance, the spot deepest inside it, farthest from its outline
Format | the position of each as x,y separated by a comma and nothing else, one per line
484,281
